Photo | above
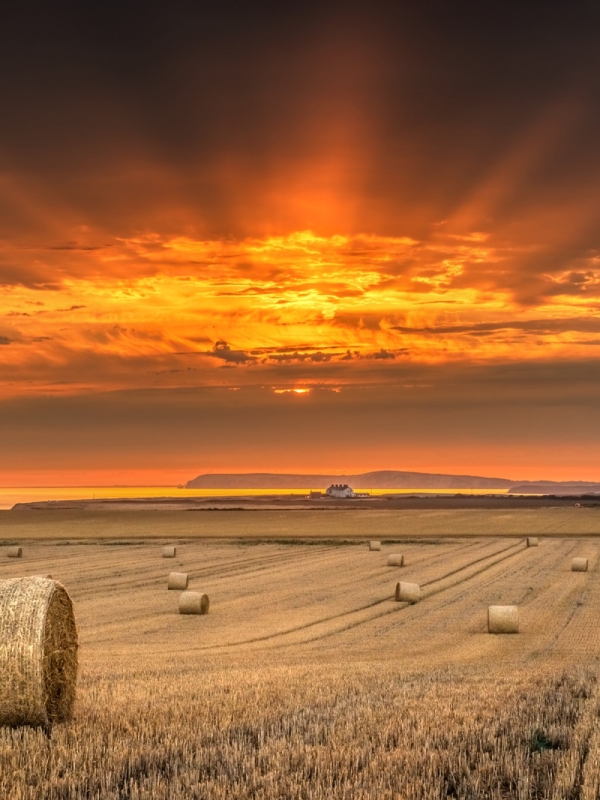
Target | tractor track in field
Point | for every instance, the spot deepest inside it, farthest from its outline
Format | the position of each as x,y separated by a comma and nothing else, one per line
366,607
249,566
523,569
239,568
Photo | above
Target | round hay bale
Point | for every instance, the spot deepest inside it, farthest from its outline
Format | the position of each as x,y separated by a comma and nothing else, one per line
38,652
14,552
532,541
374,545
169,551
178,580
395,560
503,619
408,592
193,603
579,565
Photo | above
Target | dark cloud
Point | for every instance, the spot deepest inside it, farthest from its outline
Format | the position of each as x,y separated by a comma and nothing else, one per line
222,351
538,326
382,354
317,357
75,246
5,340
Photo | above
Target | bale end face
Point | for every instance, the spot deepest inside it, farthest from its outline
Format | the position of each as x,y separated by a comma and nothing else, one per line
374,545
532,541
14,552
579,565
38,653
395,560
503,619
169,551
407,592
177,580
193,603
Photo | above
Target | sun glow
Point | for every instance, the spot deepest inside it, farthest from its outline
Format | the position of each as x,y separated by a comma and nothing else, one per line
292,391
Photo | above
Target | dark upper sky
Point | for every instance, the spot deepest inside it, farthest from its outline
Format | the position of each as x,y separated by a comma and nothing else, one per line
135,113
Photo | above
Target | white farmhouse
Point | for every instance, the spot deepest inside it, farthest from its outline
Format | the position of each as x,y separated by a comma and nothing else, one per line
340,490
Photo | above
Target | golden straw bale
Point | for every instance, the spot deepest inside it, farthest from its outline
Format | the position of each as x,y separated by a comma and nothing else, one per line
193,603
532,541
14,552
178,580
395,560
169,551
503,619
579,565
38,652
374,545
408,592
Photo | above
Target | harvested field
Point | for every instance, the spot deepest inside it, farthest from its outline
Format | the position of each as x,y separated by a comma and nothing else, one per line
365,524
333,691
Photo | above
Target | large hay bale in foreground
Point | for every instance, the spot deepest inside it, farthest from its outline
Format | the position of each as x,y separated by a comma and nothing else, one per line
532,541
374,545
178,580
38,652
579,565
503,619
193,603
169,551
14,552
395,560
408,592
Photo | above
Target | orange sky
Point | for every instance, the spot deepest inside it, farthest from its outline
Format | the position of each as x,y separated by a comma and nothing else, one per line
158,312
338,202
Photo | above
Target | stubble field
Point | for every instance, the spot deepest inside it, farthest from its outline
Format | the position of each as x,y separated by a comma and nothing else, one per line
306,679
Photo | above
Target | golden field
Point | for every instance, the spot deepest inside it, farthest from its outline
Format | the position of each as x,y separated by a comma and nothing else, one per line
236,523
306,680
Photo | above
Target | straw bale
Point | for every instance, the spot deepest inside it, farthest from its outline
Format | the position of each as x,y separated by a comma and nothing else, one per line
408,592
374,545
579,565
169,551
178,580
395,560
38,652
193,603
14,552
503,619
532,541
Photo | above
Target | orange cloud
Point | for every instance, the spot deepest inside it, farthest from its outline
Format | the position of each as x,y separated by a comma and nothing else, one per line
170,311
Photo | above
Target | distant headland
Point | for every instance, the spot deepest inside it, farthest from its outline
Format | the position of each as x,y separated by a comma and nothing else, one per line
388,479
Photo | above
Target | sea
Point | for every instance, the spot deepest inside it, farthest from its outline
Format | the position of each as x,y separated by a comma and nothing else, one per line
35,494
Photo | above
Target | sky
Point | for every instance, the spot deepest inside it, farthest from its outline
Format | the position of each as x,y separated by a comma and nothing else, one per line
325,237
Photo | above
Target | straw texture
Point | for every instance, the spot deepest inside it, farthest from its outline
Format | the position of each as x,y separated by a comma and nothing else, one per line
503,619
169,551
408,592
374,545
579,565
532,541
178,580
38,652
193,603
395,560
14,552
